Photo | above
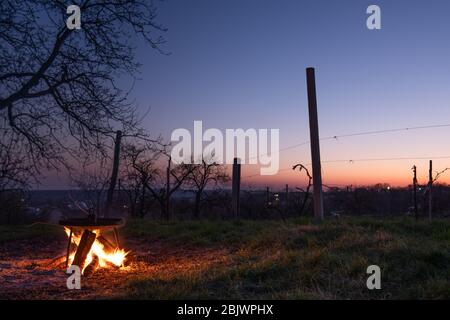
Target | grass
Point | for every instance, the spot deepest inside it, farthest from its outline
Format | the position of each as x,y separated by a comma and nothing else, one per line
300,260
20,232
297,259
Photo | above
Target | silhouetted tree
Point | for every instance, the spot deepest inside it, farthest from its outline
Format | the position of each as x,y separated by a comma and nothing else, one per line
16,172
156,173
304,201
139,171
92,180
171,179
58,86
203,175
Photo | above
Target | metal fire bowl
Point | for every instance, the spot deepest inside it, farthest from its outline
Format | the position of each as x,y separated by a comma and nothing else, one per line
89,224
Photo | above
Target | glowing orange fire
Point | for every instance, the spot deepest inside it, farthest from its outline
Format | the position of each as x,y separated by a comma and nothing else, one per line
116,257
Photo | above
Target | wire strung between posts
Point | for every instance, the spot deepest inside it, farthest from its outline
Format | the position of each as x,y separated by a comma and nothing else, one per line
363,133
356,134
351,161
282,149
384,159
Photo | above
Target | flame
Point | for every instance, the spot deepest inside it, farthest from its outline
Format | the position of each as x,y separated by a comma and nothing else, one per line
117,257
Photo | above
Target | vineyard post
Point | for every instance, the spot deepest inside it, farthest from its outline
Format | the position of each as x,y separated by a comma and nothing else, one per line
430,188
315,146
236,186
416,213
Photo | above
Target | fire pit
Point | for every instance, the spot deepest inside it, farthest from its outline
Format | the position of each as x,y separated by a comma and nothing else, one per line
93,249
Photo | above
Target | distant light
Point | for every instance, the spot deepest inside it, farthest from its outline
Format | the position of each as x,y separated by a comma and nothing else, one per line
389,188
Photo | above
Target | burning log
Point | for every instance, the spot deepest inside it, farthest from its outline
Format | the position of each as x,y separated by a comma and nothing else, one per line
90,269
55,262
111,265
84,247
106,244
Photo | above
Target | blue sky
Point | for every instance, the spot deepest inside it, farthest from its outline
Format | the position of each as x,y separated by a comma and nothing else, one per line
241,64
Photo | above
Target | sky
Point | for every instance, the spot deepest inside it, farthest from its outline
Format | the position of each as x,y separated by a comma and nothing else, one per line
241,64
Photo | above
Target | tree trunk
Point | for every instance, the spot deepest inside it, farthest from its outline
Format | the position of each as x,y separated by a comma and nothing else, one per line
114,174
164,209
198,196
167,208
141,207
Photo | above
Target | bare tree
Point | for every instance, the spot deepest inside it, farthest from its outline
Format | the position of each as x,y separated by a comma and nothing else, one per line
58,86
134,191
15,171
16,174
428,189
439,174
92,180
203,175
155,173
170,181
308,187
139,171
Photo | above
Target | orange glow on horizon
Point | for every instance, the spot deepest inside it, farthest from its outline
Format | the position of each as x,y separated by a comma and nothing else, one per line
395,173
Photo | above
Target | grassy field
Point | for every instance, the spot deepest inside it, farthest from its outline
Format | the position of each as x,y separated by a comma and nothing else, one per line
295,259
301,260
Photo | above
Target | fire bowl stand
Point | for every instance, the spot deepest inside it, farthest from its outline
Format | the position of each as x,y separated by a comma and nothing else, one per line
84,224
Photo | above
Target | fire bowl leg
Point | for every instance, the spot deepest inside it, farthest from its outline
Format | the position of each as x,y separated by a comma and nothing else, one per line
116,237
68,248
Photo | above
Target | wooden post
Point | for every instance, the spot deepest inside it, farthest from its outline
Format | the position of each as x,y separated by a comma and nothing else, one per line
416,213
267,196
430,188
114,174
315,146
167,199
236,186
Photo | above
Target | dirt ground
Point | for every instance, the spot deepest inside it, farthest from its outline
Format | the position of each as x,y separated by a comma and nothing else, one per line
34,268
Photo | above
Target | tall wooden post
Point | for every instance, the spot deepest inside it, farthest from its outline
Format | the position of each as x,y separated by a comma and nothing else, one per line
416,212
236,186
315,146
115,172
167,198
430,189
